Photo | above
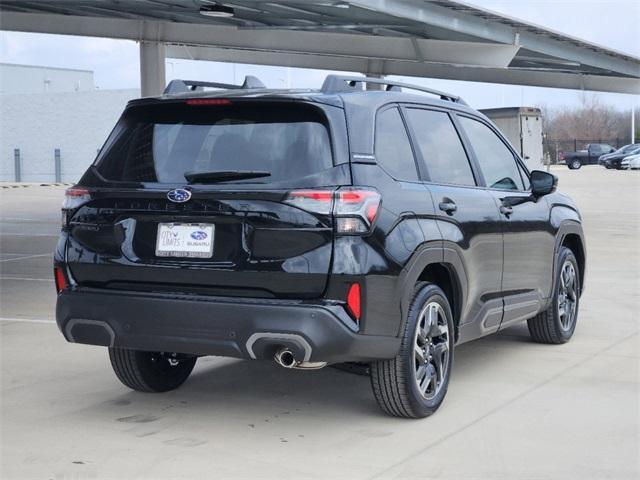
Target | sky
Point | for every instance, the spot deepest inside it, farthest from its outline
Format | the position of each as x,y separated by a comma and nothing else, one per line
613,23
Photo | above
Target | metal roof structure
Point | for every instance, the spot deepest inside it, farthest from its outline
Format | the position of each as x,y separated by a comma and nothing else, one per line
437,39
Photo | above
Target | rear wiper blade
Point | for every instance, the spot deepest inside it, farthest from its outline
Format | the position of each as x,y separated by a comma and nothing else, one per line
223,176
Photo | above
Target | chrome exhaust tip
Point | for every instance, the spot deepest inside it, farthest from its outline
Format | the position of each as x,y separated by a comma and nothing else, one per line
285,358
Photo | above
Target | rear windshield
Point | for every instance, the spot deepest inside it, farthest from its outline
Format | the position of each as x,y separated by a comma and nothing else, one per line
160,143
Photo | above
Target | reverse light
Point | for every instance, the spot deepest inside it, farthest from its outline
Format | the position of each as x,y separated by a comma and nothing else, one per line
60,279
354,301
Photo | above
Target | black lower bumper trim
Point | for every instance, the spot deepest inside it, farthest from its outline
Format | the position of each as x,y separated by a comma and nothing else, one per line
228,327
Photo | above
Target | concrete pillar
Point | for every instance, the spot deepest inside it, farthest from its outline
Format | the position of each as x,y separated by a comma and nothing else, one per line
152,68
374,86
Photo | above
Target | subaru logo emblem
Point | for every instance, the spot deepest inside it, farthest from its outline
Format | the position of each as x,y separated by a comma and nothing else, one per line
179,195
199,235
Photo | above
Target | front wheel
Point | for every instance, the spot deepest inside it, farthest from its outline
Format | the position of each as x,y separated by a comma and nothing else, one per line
151,371
558,322
415,382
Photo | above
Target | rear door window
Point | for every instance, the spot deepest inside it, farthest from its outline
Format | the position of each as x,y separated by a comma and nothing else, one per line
496,161
393,149
440,147
160,143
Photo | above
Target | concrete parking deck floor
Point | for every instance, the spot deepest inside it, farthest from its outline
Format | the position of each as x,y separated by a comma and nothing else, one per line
515,409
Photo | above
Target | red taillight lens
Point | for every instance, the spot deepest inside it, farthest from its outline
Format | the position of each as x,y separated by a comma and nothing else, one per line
354,301
208,101
318,201
60,278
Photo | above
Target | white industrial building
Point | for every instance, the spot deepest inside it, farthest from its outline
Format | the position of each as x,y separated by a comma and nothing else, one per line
53,112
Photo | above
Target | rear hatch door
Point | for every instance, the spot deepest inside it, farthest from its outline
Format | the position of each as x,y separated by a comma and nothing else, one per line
230,230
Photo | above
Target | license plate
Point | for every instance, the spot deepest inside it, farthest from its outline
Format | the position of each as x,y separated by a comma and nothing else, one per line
190,240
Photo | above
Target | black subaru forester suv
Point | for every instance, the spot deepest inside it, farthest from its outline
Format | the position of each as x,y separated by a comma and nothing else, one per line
312,227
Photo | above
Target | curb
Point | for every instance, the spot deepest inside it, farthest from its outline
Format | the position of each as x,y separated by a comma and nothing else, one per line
26,185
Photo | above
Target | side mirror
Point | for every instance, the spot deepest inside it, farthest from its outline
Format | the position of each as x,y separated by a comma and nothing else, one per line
543,183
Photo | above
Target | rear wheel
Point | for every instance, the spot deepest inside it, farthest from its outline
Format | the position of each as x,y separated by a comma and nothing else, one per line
575,164
557,323
415,382
151,371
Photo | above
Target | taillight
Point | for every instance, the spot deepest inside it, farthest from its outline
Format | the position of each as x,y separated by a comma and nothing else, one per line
317,201
60,278
74,197
354,301
354,208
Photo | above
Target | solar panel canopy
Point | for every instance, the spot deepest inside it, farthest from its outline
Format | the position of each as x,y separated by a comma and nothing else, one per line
434,39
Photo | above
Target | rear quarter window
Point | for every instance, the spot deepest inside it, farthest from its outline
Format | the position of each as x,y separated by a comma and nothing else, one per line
160,143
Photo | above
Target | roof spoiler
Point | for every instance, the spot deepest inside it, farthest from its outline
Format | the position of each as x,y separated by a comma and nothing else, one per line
183,86
342,83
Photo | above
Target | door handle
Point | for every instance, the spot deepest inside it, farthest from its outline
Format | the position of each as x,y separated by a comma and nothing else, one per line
506,210
448,206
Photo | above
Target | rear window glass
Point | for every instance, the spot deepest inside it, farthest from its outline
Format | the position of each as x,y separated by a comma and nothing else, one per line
160,143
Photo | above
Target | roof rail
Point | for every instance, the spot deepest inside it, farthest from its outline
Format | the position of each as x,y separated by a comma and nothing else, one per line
343,83
182,86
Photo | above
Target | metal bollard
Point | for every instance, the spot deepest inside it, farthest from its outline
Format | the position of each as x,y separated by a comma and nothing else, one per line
58,165
16,164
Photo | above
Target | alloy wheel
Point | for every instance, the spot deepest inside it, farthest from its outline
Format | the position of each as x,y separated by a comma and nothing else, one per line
431,349
567,295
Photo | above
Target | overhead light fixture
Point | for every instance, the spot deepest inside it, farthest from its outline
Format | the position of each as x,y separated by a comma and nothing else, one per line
216,10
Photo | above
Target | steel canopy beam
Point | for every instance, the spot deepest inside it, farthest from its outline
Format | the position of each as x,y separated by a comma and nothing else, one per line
348,45
432,14
509,76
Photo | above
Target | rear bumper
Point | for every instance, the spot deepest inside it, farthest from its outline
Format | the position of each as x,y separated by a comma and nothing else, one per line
202,325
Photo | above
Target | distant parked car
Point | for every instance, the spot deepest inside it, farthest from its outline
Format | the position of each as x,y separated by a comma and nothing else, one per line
612,160
590,156
632,162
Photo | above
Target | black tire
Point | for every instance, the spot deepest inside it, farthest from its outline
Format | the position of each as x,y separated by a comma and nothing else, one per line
549,326
575,165
394,382
150,371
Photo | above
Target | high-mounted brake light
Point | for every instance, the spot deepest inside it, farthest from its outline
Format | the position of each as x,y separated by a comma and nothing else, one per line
354,208
208,101
60,278
354,301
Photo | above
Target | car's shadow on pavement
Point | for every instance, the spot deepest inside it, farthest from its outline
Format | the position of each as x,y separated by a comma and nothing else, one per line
261,391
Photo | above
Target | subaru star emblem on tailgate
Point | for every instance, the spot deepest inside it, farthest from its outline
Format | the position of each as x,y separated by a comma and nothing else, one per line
179,195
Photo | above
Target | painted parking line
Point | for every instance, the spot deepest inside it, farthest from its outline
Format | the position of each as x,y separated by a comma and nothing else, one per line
26,257
27,320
